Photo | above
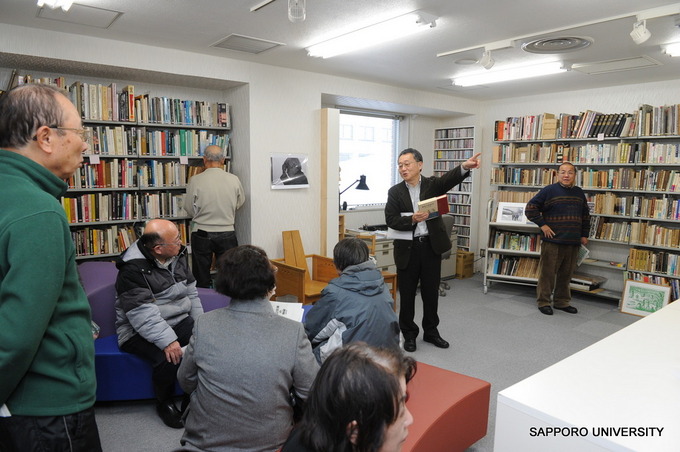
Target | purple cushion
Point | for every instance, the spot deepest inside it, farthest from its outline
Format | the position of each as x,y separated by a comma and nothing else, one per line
99,282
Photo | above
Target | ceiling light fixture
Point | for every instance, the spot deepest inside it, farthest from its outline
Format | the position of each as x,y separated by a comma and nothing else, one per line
672,49
512,73
297,10
486,61
65,5
640,33
374,34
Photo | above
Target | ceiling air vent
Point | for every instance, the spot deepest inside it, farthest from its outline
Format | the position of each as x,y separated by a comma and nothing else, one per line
246,44
625,64
557,45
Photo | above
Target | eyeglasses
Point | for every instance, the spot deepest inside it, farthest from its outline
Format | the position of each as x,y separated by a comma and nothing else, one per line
177,241
84,134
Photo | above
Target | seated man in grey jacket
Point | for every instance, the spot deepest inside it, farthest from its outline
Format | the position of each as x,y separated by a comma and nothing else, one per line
156,305
356,306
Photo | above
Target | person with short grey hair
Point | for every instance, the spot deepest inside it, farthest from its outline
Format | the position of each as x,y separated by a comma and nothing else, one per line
47,372
355,306
212,199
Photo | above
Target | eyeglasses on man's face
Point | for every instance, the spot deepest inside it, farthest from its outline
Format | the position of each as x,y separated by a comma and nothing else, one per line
176,242
84,134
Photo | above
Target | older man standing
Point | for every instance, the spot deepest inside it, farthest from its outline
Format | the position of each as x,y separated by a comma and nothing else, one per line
212,199
47,380
156,307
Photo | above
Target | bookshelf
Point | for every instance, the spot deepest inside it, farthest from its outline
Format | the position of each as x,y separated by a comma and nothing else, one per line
630,174
142,151
452,146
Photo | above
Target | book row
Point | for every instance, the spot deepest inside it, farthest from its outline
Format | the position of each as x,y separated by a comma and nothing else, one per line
131,173
522,267
461,220
456,155
96,207
660,208
463,242
513,196
459,143
515,241
635,233
459,132
110,240
460,209
126,140
590,153
459,199
614,178
99,102
462,230
654,261
645,121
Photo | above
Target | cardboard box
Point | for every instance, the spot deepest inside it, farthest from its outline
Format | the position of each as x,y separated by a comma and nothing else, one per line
465,262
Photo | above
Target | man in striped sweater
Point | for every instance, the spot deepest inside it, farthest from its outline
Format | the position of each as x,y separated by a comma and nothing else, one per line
561,211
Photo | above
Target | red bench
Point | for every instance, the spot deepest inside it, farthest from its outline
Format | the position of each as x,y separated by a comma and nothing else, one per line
450,410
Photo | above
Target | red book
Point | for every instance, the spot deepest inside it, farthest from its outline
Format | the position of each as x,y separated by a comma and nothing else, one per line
439,205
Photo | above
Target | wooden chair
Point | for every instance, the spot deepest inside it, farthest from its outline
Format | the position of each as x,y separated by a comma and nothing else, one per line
293,276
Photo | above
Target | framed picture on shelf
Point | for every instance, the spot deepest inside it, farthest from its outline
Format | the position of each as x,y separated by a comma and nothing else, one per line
641,298
511,212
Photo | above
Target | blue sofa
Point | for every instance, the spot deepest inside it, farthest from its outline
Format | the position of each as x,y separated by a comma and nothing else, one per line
120,375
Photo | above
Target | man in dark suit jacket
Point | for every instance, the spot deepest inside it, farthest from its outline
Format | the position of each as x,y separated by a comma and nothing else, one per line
419,260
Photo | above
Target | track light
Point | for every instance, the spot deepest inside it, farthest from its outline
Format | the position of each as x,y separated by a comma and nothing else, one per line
65,5
640,33
486,61
297,10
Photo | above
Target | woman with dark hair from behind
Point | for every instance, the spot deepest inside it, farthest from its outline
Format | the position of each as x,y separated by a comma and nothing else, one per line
243,362
357,403
354,307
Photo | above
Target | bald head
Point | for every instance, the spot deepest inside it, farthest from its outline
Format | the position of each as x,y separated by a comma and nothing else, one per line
162,239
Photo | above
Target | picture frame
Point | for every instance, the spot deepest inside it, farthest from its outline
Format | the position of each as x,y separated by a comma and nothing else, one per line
511,212
289,171
641,298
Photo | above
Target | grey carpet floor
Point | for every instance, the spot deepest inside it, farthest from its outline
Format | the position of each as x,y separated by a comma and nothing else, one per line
500,337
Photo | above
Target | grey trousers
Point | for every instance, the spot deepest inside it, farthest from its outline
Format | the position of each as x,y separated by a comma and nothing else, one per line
555,269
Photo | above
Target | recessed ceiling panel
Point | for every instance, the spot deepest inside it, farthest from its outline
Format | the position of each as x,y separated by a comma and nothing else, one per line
81,15
246,44
626,64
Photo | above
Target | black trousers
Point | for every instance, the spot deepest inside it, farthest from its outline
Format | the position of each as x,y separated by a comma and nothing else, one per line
164,374
424,267
203,246
70,433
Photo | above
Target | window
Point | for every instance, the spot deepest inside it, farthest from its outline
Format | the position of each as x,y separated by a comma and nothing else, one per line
368,147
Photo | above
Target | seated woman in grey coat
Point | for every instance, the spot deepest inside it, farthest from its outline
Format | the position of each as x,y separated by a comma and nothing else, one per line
243,362
355,306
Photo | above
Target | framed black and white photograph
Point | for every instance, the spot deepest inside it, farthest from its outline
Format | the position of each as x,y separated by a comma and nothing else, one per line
289,171
511,212
641,298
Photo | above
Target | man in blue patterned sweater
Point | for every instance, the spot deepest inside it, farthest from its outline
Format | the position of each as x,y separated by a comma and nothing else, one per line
561,211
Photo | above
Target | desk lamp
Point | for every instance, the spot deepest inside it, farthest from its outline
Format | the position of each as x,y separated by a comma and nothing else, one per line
362,186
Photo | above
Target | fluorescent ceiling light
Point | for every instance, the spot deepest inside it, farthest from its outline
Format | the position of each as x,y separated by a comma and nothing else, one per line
672,49
504,75
374,34
65,5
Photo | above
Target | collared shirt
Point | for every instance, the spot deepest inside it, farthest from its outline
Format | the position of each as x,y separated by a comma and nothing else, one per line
414,191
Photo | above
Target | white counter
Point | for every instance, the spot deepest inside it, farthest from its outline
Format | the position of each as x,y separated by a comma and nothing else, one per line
626,383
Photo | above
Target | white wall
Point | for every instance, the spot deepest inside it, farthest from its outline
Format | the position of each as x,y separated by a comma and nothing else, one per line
283,117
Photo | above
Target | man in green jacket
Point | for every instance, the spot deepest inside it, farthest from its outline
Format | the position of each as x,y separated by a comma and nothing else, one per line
47,380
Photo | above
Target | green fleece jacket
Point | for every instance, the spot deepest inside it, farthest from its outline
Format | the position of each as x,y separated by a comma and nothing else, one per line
46,345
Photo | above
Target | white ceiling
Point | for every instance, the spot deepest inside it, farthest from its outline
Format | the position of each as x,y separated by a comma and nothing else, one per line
409,62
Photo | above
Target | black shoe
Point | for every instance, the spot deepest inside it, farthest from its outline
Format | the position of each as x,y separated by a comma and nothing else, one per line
547,310
170,415
437,341
410,345
568,309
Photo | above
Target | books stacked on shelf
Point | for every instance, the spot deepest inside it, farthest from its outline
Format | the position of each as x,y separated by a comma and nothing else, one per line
100,206
453,155
516,241
113,173
458,143
522,267
646,233
658,153
529,177
612,178
513,196
97,241
605,229
657,180
162,205
611,204
585,282
658,121
664,262
154,173
662,208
